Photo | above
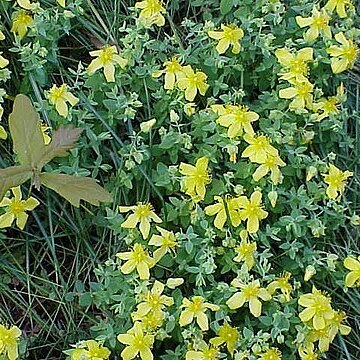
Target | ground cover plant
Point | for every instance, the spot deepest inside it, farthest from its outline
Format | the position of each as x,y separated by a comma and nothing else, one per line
179,180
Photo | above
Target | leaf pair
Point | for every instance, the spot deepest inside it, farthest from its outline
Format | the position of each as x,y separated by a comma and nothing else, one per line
33,154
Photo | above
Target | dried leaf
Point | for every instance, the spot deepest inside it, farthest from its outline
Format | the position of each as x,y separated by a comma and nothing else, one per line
63,140
76,188
13,176
24,123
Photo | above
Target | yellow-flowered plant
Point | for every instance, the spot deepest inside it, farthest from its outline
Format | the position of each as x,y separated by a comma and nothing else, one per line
172,70
21,21
196,309
318,24
250,293
301,94
340,6
61,3
192,82
106,58
336,180
203,352
271,354
195,178
153,301
326,107
343,57
221,209
246,252
89,350
166,243
271,164
139,259
151,12
27,5
238,119
353,277
59,96
227,335
15,209
251,210
308,352
294,63
318,310
9,341
259,149
138,343
143,215
228,35
282,284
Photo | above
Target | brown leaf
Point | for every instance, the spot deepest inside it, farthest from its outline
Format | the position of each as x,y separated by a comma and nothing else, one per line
63,140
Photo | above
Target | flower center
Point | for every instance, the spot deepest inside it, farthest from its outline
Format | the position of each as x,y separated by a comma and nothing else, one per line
250,291
17,207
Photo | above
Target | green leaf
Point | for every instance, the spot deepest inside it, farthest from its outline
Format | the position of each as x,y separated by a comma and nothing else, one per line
63,140
13,176
76,188
226,6
24,123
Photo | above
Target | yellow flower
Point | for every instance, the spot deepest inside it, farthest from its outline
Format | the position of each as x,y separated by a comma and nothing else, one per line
138,259
336,325
329,106
336,180
151,12
203,352
221,212
245,252
172,71
271,164
138,343
61,3
282,284
295,64
196,308
238,119
166,242
251,210
9,338
15,209
21,21
318,309
228,336
27,5
107,58
228,35
308,352
353,277
259,148
249,293
154,301
318,23
189,109
191,82
343,57
90,350
3,62
301,93
146,126
151,321
59,96
340,6
142,214
195,178
173,283
272,354
46,137
322,336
